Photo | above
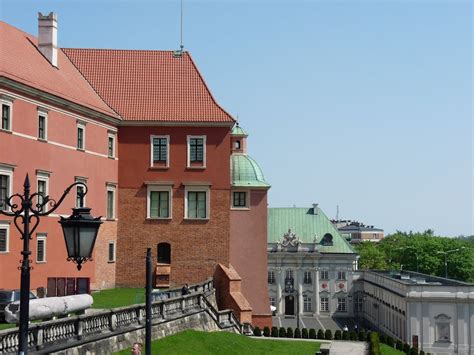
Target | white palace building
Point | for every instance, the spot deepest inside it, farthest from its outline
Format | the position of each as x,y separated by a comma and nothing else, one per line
313,269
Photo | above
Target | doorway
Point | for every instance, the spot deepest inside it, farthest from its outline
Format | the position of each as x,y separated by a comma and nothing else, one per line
289,305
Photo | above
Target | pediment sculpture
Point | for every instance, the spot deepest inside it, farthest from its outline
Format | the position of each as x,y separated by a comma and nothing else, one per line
290,239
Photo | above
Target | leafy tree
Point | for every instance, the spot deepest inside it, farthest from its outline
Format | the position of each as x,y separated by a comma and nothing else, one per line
370,256
257,332
337,335
266,331
304,333
328,334
274,332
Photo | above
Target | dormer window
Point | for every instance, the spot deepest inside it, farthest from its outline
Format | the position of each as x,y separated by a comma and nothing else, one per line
327,240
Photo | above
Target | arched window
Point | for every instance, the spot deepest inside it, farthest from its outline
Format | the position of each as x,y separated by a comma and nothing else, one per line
237,144
327,240
164,253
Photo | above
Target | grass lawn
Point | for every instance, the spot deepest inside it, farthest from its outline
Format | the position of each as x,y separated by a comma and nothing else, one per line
194,342
118,297
6,326
388,350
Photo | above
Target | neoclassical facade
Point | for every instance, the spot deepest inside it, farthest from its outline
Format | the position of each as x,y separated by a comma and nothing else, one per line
306,253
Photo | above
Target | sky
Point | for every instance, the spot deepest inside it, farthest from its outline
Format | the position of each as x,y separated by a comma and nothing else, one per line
365,105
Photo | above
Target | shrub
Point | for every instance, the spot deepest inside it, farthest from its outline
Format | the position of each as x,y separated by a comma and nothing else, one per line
304,333
266,331
328,334
413,351
312,333
406,348
274,332
257,332
297,333
282,332
390,341
345,335
422,352
352,335
383,338
374,343
337,335
320,334
289,332
399,345
362,336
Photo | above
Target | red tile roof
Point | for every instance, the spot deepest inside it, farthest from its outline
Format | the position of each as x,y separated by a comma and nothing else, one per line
21,61
148,85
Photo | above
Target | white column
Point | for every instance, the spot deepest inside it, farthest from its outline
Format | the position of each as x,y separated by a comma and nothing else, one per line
316,291
279,280
300,288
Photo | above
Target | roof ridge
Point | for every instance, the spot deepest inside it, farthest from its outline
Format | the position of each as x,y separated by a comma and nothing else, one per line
121,49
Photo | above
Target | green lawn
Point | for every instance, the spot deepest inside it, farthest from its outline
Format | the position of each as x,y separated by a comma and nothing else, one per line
388,350
118,297
194,342
6,326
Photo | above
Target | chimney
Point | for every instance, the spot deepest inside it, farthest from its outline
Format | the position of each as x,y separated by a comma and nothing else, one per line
315,208
48,36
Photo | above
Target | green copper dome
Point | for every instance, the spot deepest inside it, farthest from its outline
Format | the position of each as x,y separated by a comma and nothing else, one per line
245,172
238,131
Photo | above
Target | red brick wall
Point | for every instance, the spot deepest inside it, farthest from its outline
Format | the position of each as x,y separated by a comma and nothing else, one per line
104,270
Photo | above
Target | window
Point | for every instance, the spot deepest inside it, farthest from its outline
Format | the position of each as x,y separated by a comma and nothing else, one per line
197,151
324,275
324,304
80,190
341,304
341,275
307,278
6,180
4,237
239,199
327,240
271,277
110,201
111,252
81,129
358,304
41,248
307,303
111,145
159,201
443,328
42,193
272,301
42,124
160,151
237,144
197,202
6,117
164,253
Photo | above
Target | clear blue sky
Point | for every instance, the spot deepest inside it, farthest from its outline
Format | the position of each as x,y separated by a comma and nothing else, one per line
362,104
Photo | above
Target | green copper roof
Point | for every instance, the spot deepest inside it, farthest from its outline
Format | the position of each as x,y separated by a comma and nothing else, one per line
306,225
245,172
238,131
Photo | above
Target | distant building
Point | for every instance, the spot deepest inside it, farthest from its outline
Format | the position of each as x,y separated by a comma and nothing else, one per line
357,232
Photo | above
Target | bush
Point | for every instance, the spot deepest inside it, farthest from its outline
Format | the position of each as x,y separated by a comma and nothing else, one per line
289,332
345,335
266,331
406,348
297,333
422,352
304,333
274,332
282,332
413,351
320,334
383,338
257,332
374,343
362,336
328,334
390,341
399,345
312,333
352,335
337,335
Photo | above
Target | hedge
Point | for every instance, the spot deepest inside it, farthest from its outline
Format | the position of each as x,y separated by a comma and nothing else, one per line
337,335
257,332
274,333
328,334
304,333
406,348
266,331
320,334
352,335
374,343
312,333
289,332
297,333
362,336
282,332
345,335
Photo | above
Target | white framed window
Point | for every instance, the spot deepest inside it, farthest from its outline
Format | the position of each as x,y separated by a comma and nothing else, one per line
324,275
307,279
42,124
342,304
324,304
289,274
4,237
197,202
111,251
307,303
160,151
42,187
196,151
111,145
341,275
272,301
271,277
80,190
159,201
110,213
6,119
240,200
81,136
6,185
443,328
41,248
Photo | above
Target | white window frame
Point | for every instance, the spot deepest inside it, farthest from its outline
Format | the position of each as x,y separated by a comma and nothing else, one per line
342,304
204,153
272,301
110,188
6,226
80,125
84,181
310,277
43,112
167,165
324,272
343,274
8,101
113,137
42,237
324,306
154,187
307,303
7,170
271,277
111,242
247,200
197,188
42,176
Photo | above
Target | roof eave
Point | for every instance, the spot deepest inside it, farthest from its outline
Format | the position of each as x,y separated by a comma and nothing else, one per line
175,123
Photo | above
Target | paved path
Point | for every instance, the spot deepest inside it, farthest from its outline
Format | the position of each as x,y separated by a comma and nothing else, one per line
349,347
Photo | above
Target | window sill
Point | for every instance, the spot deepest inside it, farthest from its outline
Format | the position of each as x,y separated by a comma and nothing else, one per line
41,262
196,167
111,219
43,140
6,131
80,149
5,252
196,219
111,157
159,218
111,262
240,208
158,167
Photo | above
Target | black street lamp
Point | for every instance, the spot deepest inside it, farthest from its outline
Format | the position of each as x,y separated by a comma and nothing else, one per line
289,288
80,232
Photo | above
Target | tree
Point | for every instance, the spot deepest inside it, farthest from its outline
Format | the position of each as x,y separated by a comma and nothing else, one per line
370,256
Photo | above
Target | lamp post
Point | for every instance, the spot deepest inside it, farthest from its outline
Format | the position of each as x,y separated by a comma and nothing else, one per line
416,255
446,259
80,232
289,288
